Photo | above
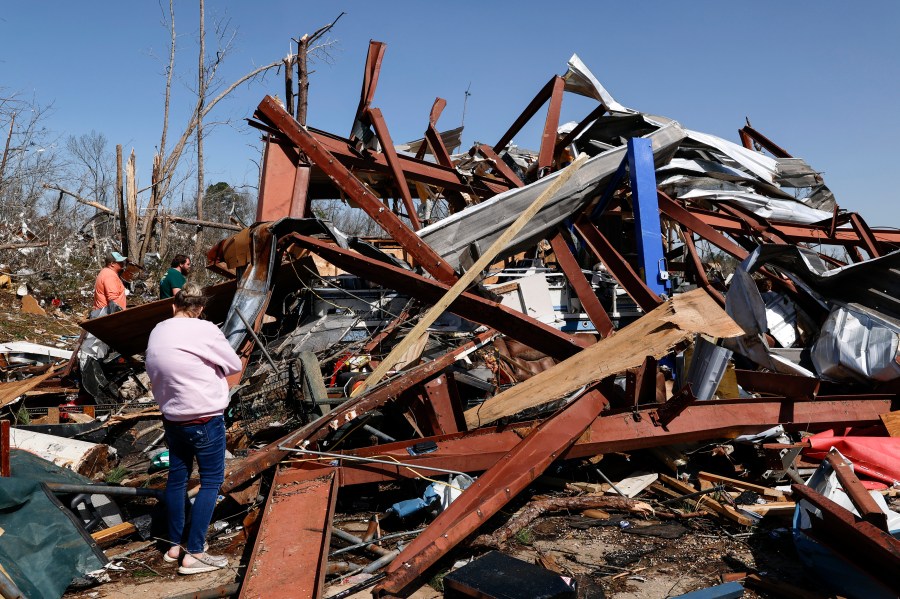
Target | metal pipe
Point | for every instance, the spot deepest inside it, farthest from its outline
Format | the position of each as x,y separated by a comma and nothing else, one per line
346,536
8,588
381,562
396,535
379,434
259,343
340,456
609,482
62,488
154,443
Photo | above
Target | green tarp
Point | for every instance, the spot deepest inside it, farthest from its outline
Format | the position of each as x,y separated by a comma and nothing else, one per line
41,548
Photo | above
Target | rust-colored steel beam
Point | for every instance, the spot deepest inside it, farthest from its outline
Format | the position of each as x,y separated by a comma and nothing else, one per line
589,300
866,235
866,546
791,386
512,323
479,449
530,110
387,332
687,218
683,216
748,133
433,137
697,266
437,409
673,407
493,490
551,124
760,225
500,167
263,459
640,385
273,112
564,257
618,267
414,169
440,153
370,77
390,154
793,233
858,494
290,553
582,125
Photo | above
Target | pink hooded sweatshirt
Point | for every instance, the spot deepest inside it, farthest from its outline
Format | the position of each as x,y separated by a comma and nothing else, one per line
187,360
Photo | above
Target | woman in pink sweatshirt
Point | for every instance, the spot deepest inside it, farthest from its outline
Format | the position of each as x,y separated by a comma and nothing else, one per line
187,360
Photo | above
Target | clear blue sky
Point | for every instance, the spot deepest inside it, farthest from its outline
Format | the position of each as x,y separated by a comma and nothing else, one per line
819,78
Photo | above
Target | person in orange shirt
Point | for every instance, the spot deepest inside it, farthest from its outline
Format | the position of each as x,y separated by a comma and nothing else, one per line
109,289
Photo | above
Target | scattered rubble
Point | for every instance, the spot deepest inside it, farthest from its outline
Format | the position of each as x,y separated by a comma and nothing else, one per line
623,364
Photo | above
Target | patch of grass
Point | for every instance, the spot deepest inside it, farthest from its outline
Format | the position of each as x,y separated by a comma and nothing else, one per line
116,475
141,573
22,416
437,582
524,536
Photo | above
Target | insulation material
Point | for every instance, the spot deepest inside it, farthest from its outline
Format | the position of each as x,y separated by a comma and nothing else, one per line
462,236
854,345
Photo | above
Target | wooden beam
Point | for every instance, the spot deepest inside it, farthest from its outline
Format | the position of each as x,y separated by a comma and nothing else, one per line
470,276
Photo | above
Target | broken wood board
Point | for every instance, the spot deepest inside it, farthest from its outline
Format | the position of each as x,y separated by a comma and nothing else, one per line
629,487
740,484
707,502
113,533
772,508
891,422
31,306
654,334
11,390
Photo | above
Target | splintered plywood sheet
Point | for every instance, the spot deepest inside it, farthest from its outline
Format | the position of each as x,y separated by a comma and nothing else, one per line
654,334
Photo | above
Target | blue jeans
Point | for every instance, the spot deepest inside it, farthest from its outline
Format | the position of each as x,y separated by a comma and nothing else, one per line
206,443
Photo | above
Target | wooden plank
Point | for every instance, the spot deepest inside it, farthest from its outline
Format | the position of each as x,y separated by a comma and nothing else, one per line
725,510
11,390
707,502
891,422
470,276
682,487
740,484
654,334
772,508
113,533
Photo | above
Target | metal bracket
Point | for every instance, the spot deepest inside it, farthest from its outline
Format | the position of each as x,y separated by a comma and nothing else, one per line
670,410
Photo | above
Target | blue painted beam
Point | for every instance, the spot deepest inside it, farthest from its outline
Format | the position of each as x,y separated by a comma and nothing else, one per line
642,172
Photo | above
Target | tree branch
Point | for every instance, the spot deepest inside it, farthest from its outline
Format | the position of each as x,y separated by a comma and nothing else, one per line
79,199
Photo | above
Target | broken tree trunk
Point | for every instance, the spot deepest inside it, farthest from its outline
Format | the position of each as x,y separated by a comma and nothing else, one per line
555,504
654,334
131,208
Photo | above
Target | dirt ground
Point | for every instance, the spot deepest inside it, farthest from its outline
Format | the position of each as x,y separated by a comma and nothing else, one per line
622,565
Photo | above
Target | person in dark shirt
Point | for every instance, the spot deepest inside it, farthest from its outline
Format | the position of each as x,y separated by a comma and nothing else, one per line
175,276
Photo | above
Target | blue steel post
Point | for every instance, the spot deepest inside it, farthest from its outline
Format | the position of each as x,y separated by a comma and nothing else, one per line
642,171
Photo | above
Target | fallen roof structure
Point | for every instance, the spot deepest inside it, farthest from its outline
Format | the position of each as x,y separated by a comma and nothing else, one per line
638,339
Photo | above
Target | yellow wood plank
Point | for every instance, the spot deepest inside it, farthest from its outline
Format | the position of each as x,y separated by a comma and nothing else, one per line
654,334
